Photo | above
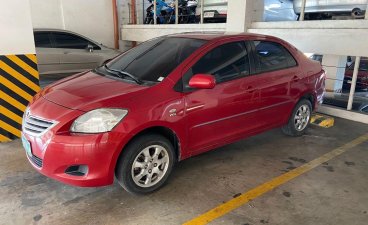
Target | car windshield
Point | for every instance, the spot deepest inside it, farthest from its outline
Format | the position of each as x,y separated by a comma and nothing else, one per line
154,60
363,66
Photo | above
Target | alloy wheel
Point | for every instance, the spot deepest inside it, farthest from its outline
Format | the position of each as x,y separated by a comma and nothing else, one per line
150,166
302,117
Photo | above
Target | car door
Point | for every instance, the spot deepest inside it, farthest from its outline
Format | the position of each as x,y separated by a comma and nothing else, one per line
48,58
277,72
228,110
75,53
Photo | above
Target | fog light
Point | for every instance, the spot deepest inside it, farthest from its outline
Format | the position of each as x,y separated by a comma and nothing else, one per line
77,170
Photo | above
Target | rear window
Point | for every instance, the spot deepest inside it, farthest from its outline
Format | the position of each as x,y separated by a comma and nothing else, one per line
272,56
154,60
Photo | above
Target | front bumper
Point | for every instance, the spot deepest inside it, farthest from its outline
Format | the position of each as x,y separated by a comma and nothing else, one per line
56,150
54,156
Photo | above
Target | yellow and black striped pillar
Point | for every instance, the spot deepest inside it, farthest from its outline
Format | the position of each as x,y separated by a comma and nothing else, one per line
19,82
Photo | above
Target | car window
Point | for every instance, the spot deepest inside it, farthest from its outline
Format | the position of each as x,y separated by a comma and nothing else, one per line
156,59
42,40
363,66
225,63
71,41
272,56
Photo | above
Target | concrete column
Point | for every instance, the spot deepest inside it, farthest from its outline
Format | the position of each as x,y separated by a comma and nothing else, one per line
18,66
241,14
335,68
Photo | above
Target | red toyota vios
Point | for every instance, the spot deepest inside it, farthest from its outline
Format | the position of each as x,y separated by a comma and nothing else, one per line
165,100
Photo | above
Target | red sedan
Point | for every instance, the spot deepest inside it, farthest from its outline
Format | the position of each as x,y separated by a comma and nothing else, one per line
165,100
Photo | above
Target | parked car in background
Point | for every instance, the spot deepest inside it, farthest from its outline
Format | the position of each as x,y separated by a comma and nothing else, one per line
360,103
362,79
274,10
65,52
279,10
165,100
321,9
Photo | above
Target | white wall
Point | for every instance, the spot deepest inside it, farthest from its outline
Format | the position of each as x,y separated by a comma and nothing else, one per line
16,28
91,18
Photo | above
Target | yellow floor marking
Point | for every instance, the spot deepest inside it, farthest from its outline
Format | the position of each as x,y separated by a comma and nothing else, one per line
12,101
4,139
10,114
268,186
24,65
19,76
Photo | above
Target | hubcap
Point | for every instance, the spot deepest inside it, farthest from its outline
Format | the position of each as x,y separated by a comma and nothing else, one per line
150,166
301,118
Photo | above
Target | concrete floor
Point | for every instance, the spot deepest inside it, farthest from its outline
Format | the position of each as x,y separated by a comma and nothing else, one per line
333,193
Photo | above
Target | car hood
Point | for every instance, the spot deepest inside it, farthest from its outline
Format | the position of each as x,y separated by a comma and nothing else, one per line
87,91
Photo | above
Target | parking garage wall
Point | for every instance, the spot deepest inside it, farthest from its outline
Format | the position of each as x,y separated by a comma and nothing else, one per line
91,18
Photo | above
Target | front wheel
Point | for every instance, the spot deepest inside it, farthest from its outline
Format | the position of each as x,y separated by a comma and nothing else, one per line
299,119
145,164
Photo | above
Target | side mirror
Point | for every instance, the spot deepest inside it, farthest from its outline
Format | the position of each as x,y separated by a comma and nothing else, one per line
202,81
90,48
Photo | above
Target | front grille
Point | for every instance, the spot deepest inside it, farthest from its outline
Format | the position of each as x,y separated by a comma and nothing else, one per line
37,161
35,125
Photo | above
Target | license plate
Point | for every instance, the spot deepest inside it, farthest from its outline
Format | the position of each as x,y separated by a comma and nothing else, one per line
27,146
209,14
349,81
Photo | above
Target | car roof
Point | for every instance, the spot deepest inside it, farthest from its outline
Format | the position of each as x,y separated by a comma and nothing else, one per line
219,35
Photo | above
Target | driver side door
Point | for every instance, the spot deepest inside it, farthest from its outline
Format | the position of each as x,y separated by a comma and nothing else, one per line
227,111
74,54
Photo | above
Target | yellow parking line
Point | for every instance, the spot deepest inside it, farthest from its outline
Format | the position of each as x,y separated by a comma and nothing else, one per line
268,186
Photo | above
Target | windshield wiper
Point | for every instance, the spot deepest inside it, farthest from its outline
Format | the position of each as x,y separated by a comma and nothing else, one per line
121,73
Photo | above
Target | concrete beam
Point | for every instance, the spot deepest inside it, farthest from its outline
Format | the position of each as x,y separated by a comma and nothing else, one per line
142,32
320,36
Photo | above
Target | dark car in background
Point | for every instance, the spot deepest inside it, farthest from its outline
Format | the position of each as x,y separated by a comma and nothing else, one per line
362,79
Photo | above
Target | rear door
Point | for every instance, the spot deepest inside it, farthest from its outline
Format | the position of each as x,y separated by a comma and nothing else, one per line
75,55
227,111
48,58
277,72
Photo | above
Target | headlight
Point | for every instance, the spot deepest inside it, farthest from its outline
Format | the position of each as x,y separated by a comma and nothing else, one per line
98,120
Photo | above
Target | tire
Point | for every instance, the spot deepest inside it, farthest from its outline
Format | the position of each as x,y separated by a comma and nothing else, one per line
138,163
296,127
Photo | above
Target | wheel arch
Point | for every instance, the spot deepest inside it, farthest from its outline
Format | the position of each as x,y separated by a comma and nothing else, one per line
310,97
165,131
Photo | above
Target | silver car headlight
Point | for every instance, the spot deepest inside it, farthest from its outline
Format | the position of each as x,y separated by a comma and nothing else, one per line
98,120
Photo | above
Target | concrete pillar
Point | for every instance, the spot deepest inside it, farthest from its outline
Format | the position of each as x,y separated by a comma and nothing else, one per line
237,20
19,79
335,67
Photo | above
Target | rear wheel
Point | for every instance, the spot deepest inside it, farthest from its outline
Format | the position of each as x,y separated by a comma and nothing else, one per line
299,119
145,164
